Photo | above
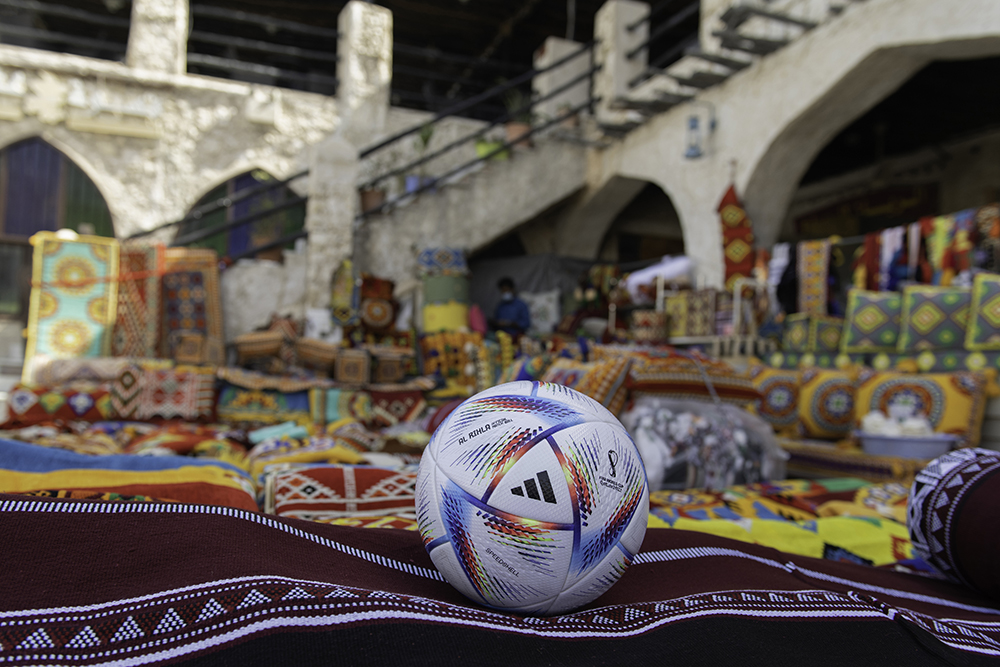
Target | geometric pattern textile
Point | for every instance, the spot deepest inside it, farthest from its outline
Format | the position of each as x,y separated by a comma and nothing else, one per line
873,320
392,407
813,270
737,238
329,491
826,403
442,261
126,393
345,295
796,335
779,396
192,302
952,402
174,394
74,298
250,408
30,405
825,333
946,494
701,312
603,381
984,327
676,311
934,318
137,327
260,588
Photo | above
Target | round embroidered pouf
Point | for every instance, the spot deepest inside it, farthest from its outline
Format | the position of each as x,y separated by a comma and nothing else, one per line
953,514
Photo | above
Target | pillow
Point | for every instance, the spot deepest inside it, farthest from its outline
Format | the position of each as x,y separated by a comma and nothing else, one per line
933,317
824,333
796,336
29,405
544,310
391,407
953,402
983,332
872,321
826,402
952,516
186,394
603,381
779,396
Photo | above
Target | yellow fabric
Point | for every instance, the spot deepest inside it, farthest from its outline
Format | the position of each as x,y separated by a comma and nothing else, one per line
958,399
451,316
75,478
335,454
783,418
818,416
881,541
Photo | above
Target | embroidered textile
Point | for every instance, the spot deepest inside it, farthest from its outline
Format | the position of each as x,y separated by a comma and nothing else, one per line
737,238
340,491
442,261
36,404
824,334
983,332
64,371
873,321
796,335
191,302
345,295
256,407
826,402
814,271
779,396
137,324
701,312
390,408
176,394
934,318
74,299
676,309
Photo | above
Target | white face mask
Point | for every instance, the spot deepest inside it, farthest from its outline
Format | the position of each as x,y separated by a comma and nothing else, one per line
507,296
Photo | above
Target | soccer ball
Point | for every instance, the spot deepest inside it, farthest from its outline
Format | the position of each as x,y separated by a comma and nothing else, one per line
531,497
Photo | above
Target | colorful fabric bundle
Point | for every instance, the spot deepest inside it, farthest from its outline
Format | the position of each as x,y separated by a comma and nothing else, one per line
826,402
328,406
813,271
250,408
845,520
25,467
29,405
442,261
325,590
137,327
181,393
737,238
74,297
192,305
334,491
393,407
345,295
779,396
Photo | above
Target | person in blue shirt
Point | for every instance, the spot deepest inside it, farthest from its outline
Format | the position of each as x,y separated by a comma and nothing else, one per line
512,315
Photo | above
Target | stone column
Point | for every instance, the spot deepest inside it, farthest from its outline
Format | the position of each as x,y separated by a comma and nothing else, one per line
615,42
333,204
364,69
157,37
553,50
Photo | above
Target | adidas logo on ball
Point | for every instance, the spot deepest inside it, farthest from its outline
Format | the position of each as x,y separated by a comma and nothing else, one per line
532,488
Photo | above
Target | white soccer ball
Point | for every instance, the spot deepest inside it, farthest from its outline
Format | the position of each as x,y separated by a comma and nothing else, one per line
532,497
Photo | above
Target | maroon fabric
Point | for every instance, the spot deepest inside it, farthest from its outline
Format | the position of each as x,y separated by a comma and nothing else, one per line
977,536
165,582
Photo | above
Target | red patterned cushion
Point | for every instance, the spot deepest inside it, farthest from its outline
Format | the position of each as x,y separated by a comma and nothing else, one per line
75,402
176,394
392,407
329,491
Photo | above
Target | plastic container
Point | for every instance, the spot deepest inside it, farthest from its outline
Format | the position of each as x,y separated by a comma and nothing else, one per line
907,446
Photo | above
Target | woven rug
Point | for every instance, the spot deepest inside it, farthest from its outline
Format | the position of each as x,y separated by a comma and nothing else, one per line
192,303
814,270
137,326
331,491
737,238
74,299
237,587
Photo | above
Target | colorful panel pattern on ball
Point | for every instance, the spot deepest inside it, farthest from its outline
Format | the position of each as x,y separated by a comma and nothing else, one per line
531,497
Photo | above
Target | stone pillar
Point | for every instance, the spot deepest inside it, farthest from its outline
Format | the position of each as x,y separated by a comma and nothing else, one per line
364,69
553,50
333,204
615,42
157,37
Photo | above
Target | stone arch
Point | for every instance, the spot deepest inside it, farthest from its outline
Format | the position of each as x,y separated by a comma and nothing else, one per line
240,240
775,175
46,188
648,226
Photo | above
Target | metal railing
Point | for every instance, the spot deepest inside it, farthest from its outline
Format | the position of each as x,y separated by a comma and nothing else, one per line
661,54
276,51
496,92
106,35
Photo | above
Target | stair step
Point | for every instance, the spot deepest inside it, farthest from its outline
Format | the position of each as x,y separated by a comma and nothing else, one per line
719,59
618,130
756,45
737,15
701,79
650,106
